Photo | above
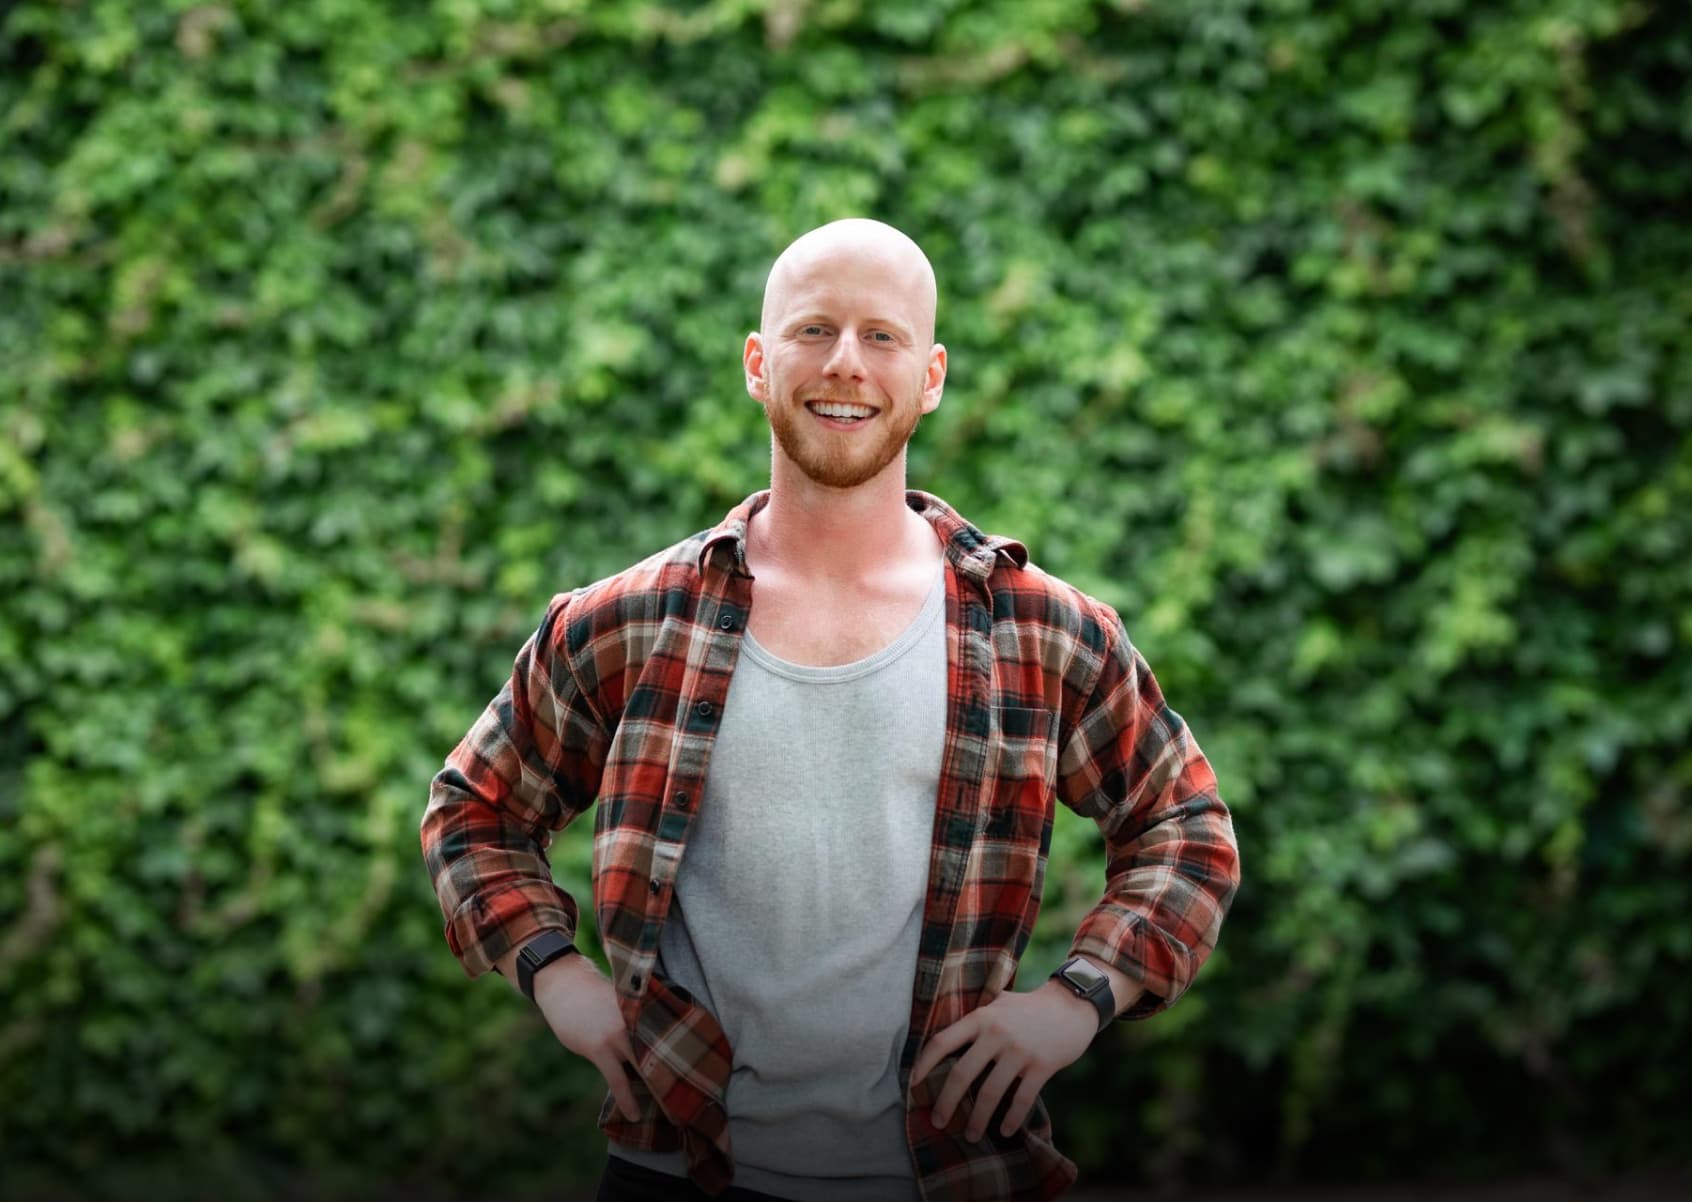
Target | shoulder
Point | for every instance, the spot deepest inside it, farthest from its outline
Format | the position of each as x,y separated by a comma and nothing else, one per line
1035,615
1076,629
665,584
602,636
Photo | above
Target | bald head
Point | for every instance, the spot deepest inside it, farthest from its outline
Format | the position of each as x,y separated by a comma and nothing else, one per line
860,243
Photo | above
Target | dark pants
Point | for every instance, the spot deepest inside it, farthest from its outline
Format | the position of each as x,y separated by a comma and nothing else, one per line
624,1181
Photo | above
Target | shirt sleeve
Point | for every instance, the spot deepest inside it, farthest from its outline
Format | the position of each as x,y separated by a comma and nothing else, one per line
1172,866
530,764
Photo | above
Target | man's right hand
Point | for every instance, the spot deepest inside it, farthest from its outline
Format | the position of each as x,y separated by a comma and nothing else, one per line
580,1006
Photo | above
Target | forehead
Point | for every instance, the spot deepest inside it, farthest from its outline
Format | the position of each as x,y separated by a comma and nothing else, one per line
835,278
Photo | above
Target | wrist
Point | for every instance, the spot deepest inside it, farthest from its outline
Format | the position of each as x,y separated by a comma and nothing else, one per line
1089,984
1071,1003
543,951
562,974
1123,989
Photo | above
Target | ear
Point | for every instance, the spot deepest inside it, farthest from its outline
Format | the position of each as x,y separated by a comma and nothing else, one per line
934,378
752,358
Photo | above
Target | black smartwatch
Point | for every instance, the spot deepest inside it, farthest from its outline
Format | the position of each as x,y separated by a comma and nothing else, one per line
537,953
1086,981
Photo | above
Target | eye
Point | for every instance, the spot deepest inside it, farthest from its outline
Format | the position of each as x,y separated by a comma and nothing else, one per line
882,336
810,331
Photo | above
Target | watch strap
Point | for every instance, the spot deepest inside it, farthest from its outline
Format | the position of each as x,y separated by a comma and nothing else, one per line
536,954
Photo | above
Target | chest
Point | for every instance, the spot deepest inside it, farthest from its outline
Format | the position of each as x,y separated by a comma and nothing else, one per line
827,627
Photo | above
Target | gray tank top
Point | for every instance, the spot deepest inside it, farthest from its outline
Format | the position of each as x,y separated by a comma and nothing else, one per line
798,904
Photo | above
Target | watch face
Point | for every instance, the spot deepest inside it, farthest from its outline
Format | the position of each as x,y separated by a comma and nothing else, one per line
1085,976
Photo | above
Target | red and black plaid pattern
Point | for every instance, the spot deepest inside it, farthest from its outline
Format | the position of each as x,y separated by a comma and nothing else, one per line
616,698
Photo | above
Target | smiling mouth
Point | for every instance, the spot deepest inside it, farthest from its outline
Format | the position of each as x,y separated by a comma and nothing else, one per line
841,414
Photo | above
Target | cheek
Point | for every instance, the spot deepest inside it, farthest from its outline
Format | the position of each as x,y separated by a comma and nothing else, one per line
775,371
889,374
787,366
912,380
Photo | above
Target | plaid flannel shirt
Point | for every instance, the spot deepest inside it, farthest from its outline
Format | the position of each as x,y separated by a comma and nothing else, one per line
616,698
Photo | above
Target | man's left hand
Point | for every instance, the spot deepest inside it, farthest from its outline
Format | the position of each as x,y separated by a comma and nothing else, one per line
1026,1037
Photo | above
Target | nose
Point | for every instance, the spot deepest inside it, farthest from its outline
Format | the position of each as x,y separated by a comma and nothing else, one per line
845,358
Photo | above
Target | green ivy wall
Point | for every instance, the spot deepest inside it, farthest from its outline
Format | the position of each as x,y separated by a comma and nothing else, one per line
1344,347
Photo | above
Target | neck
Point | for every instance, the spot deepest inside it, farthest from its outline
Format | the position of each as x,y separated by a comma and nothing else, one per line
816,532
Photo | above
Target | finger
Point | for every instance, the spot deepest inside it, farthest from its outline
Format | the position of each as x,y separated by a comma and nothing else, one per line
1023,1102
942,1046
617,1079
624,1094
971,1066
620,1045
987,1097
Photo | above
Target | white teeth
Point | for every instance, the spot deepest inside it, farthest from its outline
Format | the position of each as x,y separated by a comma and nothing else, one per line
835,409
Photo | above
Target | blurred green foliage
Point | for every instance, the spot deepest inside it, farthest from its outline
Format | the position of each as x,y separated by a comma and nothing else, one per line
1344,347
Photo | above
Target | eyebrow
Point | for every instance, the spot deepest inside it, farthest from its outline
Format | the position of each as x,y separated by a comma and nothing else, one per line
890,323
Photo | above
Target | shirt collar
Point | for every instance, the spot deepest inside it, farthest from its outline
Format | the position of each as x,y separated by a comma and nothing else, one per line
970,551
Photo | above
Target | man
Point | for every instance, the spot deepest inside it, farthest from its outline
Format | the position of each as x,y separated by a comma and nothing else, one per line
825,739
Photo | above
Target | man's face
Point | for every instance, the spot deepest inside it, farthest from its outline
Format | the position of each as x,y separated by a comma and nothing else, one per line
845,365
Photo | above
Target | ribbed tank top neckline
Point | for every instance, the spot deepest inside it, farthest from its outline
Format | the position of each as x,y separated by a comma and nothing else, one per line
907,638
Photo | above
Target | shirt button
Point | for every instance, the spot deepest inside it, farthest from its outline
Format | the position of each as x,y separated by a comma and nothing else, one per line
634,981
680,799
657,886
704,709
726,621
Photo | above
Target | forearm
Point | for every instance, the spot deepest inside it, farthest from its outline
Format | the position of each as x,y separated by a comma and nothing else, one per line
1158,920
529,765
490,875
1171,859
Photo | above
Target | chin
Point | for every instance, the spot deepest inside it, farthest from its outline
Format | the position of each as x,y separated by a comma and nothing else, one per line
825,464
